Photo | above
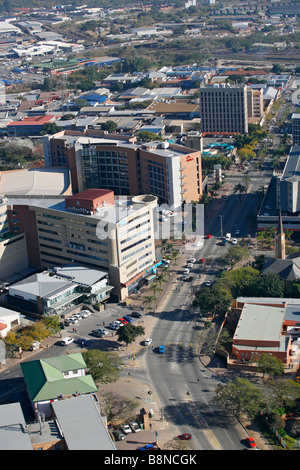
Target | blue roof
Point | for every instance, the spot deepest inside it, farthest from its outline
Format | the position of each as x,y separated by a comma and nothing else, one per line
95,97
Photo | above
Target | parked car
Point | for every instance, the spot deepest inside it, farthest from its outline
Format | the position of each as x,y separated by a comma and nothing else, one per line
86,312
122,320
148,447
147,341
237,232
66,341
186,271
185,437
83,342
161,349
134,426
201,260
234,241
136,315
118,435
208,283
34,346
99,332
184,277
127,318
73,319
126,429
208,236
114,326
192,260
190,265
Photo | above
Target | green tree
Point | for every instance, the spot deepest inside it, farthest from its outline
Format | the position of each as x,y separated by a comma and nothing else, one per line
240,188
268,364
269,285
109,126
129,332
235,254
50,128
240,397
102,365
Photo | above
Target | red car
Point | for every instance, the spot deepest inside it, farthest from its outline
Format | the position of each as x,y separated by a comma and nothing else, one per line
122,320
185,437
201,260
251,442
208,236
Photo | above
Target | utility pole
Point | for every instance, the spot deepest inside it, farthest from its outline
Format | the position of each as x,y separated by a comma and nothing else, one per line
221,220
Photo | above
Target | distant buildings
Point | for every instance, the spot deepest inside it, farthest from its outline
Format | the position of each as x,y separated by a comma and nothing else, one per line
224,108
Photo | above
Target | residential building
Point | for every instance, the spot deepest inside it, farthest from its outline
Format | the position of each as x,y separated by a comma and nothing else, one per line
255,103
91,229
8,319
224,108
32,125
55,378
169,171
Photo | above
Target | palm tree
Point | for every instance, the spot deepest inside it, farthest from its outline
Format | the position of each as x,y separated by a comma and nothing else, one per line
240,188
160,279
149,299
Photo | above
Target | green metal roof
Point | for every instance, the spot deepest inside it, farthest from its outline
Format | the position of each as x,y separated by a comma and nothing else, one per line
45,380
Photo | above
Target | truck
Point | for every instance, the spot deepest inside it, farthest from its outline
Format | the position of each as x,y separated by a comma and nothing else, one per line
228,236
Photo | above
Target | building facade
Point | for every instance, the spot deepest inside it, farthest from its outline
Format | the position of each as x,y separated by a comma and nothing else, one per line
92,229
224,108
296,128
170,172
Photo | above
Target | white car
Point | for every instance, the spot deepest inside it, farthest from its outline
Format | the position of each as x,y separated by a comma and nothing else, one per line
234,241
186,271
134,426
66,341
190,265
73,320
208,283
148,341
192,260
86,312
126,429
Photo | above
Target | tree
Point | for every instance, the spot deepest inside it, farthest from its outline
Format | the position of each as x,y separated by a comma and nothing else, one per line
240,188
109,126
103,366
237,280
236,254
269,285
129,332
268,364
50,128
145,136
215,301
240,397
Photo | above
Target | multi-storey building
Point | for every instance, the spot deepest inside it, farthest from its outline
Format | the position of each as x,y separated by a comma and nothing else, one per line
92,229
296,128
169,171
224,108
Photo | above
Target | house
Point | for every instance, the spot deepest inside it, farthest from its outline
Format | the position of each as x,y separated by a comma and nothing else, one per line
55,378
8,319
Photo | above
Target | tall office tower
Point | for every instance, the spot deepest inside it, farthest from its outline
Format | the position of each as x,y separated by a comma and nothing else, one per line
296,128
171,172
224,108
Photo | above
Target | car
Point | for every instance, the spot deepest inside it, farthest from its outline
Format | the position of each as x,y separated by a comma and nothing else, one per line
82,342
147,341
201,260
208,283
192,260
73,319
86,312
126,429
237,232
134,426
77,316
99,332
136,315
161,349
127,318
190,265
113,326
122,320
251,442
184,277
208,236
148,447
66,341
234,241
186,271
185,437
118,435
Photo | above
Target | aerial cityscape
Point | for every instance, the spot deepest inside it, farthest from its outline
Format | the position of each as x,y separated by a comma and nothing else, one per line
150,227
